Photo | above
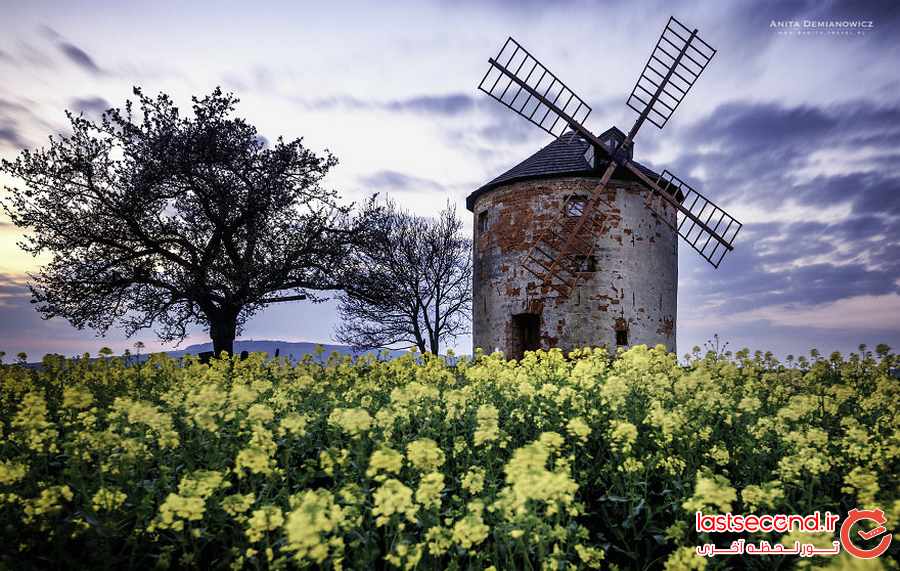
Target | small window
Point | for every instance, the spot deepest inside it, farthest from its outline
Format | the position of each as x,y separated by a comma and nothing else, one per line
589,156
482,221
586,263
575,206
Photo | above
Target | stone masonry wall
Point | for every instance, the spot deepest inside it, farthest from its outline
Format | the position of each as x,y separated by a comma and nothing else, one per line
634,286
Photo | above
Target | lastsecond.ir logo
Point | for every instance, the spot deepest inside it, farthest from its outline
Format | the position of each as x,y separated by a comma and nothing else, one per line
856,515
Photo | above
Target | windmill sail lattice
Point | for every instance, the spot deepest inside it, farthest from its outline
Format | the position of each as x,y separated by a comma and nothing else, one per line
721,223
675,64
522,83
519,81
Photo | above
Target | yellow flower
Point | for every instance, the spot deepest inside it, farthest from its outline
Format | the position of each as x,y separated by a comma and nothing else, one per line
190,501
685,559
864,484
578,428
11,472
719,455
591,556
473,481
766,496
254,459
332,458
631,466
257,456
263,520
77,398
673,465
623,435
439,540
429,491
108,499
404,556
552,440
236,504
488,428
677,531
34,430
175,509
260,413
471,530
713,491
385,460
241,395
749,404
353,421
48,503
294,424
315,517
528,478
143,413
200,484
425,454
392,497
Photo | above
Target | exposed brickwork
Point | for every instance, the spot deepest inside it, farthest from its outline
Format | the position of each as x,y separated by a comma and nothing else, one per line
635,282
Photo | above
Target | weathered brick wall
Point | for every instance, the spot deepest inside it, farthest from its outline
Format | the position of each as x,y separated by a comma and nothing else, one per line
634,285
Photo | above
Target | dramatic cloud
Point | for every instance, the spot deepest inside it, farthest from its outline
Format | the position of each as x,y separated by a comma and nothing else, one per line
791,164
446,105
10,115
90,105
798,137
11,136
79,57
452,104
393,181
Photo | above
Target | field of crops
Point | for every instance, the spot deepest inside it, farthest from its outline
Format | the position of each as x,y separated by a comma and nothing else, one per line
550,463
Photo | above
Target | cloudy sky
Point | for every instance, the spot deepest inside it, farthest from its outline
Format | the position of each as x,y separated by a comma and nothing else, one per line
796,134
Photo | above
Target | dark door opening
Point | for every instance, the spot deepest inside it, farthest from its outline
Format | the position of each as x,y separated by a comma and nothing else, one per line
621,328
525,334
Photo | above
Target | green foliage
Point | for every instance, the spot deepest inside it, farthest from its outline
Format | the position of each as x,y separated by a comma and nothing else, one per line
555,461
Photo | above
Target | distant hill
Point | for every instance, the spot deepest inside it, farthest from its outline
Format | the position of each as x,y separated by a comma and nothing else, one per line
294,351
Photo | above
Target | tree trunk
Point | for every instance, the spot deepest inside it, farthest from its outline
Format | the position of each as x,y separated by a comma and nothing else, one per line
222,330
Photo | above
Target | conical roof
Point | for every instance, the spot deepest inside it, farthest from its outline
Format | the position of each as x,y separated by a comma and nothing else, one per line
565,156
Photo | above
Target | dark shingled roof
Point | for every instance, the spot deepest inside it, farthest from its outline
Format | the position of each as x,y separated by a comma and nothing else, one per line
562,157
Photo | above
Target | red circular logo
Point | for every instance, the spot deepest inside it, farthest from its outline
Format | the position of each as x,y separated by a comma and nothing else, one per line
855,515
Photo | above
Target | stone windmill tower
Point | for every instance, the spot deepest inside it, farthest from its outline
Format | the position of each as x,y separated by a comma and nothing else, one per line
577,245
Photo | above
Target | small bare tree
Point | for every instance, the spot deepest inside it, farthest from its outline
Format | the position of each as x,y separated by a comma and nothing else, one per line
412,286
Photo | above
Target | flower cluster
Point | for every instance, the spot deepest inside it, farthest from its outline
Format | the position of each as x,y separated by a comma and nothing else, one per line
555,461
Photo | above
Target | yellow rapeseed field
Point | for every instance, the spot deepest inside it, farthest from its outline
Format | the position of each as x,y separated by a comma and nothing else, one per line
554,462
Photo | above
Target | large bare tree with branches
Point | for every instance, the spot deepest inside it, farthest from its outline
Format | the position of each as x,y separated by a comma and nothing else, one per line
157,220
412,286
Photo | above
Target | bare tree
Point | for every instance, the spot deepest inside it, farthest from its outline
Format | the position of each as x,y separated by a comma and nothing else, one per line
412,287
157,220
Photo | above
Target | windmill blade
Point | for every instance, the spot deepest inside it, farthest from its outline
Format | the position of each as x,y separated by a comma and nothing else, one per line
719,224
519,81
703,224
675,63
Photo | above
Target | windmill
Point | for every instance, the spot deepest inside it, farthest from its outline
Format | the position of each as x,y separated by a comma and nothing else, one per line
518,80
